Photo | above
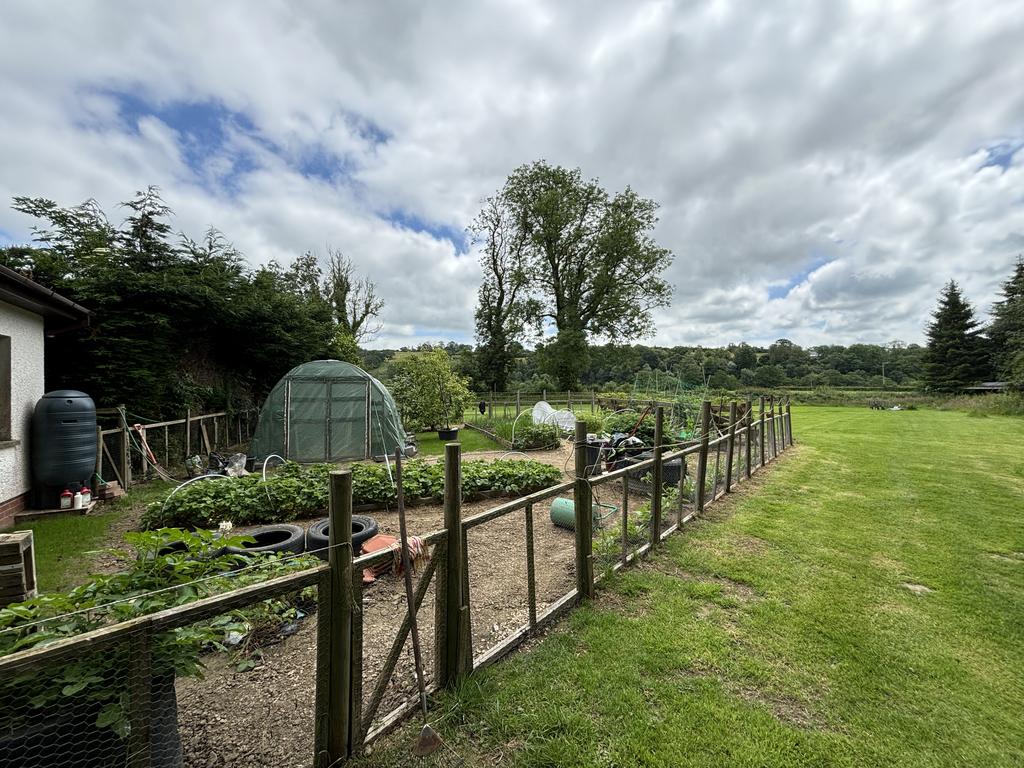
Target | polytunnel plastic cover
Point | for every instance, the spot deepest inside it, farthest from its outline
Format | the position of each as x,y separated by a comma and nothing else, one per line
328,410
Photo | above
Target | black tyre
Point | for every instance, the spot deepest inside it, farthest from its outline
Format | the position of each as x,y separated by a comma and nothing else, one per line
274,538
174,547
363,528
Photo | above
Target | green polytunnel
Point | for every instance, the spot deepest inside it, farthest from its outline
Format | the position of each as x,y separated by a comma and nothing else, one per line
328,410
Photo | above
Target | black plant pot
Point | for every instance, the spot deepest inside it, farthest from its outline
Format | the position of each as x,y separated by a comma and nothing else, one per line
448,434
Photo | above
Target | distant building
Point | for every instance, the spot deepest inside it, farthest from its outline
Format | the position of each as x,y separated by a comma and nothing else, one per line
29,313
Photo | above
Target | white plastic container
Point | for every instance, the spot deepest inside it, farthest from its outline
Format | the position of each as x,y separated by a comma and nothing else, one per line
77,503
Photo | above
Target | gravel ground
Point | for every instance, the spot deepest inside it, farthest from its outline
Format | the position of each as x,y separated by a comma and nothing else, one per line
264,716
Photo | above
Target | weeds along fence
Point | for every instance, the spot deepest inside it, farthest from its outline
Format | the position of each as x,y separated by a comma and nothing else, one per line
110,696
136,449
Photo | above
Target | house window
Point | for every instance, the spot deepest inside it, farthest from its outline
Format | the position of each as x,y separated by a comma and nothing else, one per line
5,388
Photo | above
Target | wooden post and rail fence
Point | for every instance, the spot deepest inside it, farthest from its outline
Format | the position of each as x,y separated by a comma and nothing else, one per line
346,719
197,433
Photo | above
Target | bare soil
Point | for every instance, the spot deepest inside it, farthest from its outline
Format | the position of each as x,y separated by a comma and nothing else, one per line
264,716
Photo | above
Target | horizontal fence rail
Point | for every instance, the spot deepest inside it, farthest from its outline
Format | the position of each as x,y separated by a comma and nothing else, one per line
122,455
355,699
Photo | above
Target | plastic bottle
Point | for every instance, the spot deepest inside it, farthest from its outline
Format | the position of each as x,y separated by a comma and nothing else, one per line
66,497
86,496
77,500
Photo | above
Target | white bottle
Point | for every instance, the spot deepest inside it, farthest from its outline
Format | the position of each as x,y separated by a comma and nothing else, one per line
77,503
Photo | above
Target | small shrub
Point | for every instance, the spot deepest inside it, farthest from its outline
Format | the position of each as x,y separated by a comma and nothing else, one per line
534,436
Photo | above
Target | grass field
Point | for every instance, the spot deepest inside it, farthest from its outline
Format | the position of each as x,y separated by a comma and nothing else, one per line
63,543
429,444
862,605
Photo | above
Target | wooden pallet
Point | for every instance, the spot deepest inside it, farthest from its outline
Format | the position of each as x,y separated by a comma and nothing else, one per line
17,567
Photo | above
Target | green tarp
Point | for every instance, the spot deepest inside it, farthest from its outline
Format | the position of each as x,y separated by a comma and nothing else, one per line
328,410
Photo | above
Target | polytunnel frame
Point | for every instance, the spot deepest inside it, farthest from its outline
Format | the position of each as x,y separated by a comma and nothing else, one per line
328,419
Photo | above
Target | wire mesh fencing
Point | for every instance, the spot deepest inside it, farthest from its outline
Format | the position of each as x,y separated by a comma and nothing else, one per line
203,677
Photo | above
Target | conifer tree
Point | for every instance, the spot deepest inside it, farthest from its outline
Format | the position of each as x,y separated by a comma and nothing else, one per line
1007,329
956,355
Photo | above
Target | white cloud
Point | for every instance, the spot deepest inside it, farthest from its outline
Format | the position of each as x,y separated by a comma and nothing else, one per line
832,149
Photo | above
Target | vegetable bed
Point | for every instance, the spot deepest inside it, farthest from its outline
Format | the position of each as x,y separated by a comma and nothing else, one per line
296,490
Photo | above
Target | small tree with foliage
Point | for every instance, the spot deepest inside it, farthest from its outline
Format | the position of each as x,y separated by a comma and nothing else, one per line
430,395
956,354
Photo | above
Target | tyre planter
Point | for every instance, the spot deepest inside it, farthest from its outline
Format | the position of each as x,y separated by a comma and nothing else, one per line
274,538
67,734
448,434
175,547
318,535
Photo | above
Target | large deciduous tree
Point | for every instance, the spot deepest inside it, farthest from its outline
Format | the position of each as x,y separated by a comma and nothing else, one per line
502,307
353,298
591,264
956,355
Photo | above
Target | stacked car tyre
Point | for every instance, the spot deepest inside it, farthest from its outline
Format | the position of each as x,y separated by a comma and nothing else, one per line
318,535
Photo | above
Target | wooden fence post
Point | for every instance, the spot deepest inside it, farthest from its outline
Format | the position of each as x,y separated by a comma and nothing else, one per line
140,698
771,426
126,456
593,401
583,504
334,630
188,432
749,433
702,457
657,475
448,589
517,403
95,484
789,420
760,431
730,446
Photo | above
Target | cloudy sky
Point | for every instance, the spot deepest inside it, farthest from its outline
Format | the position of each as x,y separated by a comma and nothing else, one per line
823,167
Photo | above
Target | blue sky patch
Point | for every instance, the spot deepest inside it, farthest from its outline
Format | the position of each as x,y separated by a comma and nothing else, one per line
204,128
1001,154
781,291
435,230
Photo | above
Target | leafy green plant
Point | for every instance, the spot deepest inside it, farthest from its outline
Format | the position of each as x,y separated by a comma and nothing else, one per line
535,436
626,422
157,578
428,392
302,491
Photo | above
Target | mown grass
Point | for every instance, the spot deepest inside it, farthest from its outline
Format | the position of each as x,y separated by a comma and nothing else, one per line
784,629
471,440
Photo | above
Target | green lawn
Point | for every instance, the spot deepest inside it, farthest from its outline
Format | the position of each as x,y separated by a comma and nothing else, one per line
471,440
785,630
63,542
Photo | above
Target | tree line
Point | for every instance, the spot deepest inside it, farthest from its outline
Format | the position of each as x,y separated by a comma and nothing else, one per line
182,322
625,367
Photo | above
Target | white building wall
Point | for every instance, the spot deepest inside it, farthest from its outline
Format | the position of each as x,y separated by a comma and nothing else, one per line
26,332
